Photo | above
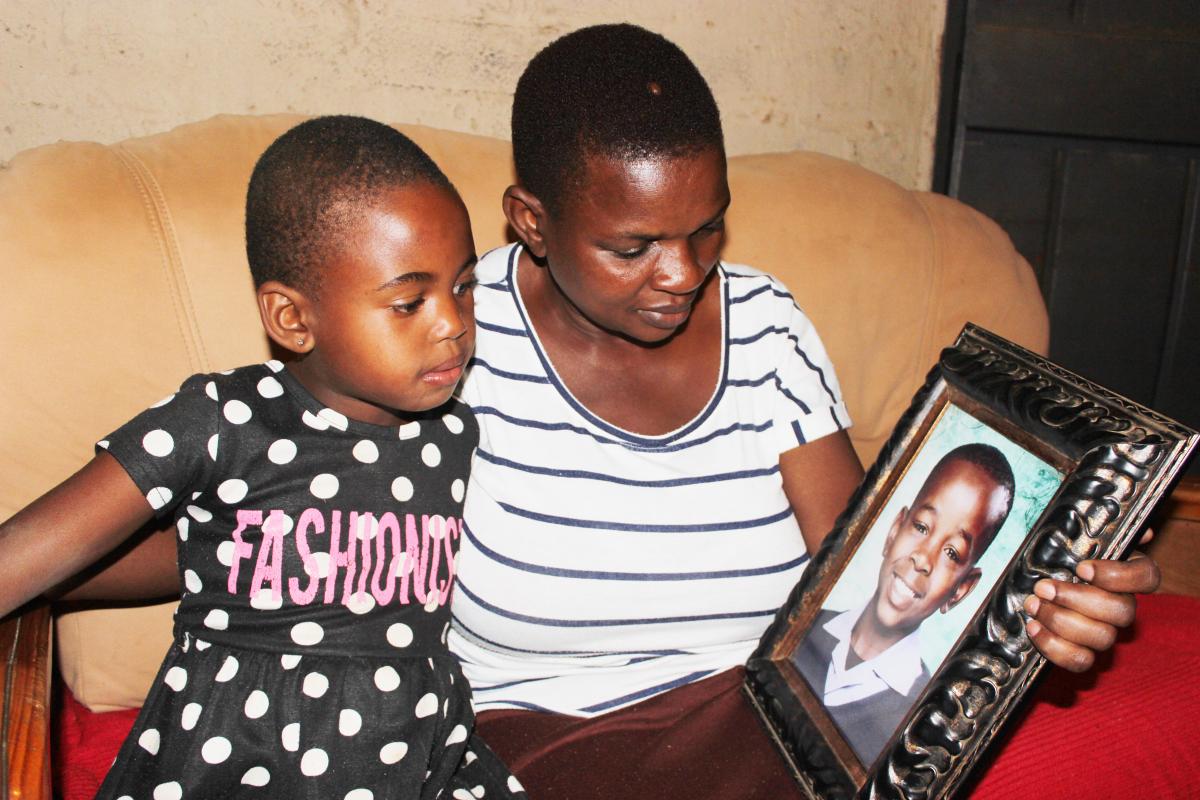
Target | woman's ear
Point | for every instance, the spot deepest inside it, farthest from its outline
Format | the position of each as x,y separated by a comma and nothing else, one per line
527,216
286,314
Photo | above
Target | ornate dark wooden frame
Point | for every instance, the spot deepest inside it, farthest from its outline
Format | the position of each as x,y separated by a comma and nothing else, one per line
1119,459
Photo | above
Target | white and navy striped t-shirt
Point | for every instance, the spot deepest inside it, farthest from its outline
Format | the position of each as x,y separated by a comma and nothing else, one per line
600,567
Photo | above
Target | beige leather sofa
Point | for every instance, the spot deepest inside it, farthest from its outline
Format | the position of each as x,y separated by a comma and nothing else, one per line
123,271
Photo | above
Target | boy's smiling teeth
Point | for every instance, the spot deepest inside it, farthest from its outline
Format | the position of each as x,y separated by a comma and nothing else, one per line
903,587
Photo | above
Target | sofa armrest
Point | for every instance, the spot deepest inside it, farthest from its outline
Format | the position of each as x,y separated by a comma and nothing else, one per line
25,644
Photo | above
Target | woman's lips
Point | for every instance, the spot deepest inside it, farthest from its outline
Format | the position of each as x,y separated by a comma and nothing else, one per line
666,317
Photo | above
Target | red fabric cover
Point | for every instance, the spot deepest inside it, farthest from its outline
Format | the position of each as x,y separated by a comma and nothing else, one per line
1130,728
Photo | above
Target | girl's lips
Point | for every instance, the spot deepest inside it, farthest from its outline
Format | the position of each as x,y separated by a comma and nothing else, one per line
445,374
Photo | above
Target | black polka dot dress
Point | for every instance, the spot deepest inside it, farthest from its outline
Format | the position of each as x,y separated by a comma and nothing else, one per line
317,555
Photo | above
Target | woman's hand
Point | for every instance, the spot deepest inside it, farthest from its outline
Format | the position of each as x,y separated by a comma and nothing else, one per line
1074,621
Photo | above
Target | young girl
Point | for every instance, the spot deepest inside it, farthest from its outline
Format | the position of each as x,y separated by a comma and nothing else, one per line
318,504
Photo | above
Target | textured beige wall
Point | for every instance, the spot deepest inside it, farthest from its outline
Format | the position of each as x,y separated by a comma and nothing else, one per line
854,78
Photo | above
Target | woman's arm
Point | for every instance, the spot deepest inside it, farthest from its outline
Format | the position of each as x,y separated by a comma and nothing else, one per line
67,529
818,479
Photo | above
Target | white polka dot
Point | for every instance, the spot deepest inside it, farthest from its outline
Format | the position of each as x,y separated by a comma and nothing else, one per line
392,752
199,514
217,619
103,443
431,455
477,791
514,785
256,776
257,704
402,489
164,401
289,661
288,524
232,490
387,679
176,678
291,737
266,600
459,734
315,684
159,497
409,430
281,451
202,645
324,486
268,387
427,705
458,490
237,412
334,418
124,797
210,389
361,603
401,564
275,365
307,633
367,527
150,741
181,526
216,750
158,443
462,794
433,601
469,756
366,452
190,716
446,708
192,581
453,423
314,762
318,565
225,551
399,635
359,794
227,671
212,447
168,791
349,722
314,422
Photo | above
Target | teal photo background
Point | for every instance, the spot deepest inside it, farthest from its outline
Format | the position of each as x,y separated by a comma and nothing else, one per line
1036,482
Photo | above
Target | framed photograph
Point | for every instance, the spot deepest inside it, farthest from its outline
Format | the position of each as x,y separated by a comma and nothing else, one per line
903,649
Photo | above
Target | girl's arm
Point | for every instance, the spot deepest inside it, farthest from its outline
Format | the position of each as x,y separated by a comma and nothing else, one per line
67,529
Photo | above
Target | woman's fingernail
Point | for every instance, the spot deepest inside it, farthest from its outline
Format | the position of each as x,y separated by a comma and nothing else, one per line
1044,589
1086,571
1033,627
1032,604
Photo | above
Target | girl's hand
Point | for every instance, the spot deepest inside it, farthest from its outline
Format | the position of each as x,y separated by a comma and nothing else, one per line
1074,621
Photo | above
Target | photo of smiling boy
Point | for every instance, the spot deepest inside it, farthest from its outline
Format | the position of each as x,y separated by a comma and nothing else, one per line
865,663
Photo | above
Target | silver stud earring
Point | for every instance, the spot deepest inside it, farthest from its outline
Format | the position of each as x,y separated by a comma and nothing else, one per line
300,343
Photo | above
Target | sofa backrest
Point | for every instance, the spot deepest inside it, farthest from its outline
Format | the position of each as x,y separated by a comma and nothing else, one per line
123,271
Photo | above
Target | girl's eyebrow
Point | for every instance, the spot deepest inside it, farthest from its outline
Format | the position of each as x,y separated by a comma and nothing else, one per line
407,277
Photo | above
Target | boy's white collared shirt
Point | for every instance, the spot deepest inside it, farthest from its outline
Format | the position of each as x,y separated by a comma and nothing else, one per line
898,667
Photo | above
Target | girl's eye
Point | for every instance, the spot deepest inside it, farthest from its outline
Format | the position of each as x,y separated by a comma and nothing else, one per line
408,308
466,287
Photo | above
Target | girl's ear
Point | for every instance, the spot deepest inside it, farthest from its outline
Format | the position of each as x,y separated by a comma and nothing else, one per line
526,215
286,314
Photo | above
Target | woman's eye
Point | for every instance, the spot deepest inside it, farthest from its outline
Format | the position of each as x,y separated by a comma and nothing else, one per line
630,254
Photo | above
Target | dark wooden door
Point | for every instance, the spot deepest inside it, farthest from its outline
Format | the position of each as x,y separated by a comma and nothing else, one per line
1075,124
